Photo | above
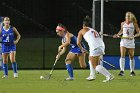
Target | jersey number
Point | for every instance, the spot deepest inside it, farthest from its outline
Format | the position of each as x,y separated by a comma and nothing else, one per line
7,38
127,32
96,34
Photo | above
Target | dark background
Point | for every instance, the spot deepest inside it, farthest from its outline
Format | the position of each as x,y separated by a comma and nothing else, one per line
31,16
35,15
36,21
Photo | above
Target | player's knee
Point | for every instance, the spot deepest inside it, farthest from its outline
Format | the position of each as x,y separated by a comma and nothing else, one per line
5,61
131,57
12,61
67,61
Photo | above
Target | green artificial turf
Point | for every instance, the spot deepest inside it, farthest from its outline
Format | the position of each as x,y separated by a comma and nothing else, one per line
29,82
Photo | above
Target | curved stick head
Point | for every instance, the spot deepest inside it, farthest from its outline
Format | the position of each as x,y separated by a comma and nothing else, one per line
48,77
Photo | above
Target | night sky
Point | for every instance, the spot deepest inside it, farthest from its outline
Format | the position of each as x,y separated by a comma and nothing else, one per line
36,16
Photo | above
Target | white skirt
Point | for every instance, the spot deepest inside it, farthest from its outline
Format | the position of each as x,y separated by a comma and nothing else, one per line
127,43
97,52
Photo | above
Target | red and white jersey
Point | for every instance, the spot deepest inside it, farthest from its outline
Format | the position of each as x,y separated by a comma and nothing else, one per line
93,39
128,31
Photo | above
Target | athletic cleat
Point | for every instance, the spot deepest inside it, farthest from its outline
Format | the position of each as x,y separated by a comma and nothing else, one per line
111,77
90,78
69,79
132,73
15,75
5,77
121,73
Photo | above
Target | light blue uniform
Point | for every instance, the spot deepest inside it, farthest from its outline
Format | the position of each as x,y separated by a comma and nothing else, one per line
8,39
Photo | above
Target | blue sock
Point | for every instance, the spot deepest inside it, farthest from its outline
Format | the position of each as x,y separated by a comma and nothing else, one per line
69,69
5,69
14,66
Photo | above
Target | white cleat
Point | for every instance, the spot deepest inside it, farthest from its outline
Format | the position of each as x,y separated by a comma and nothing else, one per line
4,76
90,78
69,79
111,77
15,75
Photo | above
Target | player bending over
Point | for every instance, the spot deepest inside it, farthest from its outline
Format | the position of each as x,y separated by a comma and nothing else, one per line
68,39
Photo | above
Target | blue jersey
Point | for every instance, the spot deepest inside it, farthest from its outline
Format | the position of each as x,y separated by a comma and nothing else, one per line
8,38
73,45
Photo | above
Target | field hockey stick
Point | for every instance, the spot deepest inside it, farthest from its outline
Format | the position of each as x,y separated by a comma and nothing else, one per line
50,74
107,35
107,63
122,37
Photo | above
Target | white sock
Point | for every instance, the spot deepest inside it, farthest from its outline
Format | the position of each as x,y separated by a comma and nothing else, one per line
101,62
132,65
122,63
102,70
92,70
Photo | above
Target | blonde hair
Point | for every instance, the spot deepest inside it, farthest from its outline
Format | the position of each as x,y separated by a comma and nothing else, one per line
132,16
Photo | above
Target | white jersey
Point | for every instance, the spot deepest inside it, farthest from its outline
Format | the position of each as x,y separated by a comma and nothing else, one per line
128,31
93,39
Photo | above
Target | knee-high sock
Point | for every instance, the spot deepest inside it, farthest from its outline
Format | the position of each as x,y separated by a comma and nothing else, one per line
5,69
101,63
122,63
102,70
132,65
69,69
14,66
92,70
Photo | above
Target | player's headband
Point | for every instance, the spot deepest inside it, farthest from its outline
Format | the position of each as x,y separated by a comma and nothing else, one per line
60,28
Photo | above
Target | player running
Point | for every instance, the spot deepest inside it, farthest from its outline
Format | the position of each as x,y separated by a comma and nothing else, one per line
128,28
96,47
68,39
9,46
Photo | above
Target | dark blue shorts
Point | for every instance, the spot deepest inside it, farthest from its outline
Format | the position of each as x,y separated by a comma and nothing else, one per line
76,50
8,48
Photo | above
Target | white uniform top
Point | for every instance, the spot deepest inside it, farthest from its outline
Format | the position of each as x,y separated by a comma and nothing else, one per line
128,31
93,39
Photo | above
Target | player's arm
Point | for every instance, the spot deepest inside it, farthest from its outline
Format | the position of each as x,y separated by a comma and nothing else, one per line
17,34
63,49
137,30
120,32
79,39
61,52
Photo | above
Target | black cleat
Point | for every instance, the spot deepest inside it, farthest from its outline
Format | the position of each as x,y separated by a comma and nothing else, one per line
121,73
132,73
